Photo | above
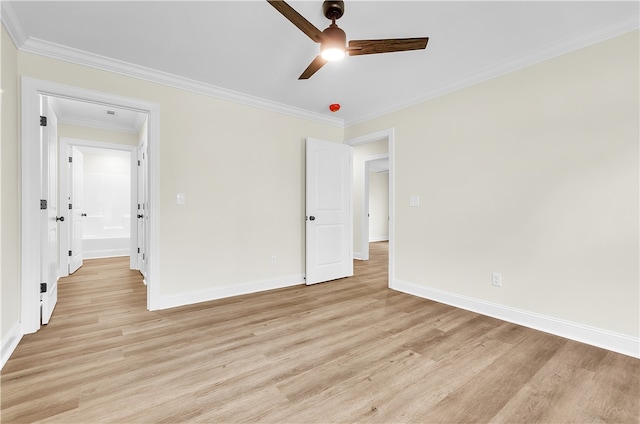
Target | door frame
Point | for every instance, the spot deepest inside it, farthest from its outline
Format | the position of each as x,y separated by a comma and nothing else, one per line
30,188
389,135
64,189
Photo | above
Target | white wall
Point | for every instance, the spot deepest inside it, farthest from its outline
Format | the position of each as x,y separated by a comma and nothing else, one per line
534,175
106,229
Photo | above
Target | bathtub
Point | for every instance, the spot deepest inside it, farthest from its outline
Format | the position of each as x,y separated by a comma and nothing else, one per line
100,241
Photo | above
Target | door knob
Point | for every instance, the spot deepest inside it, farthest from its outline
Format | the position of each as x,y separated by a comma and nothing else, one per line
83,214
60,218
312,218
139,216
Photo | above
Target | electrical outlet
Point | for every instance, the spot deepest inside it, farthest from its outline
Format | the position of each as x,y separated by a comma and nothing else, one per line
496,279
274,260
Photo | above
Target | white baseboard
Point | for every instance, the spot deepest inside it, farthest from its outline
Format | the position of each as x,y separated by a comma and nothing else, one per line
357,255
107,253
10,342
228,291
609,340
376,239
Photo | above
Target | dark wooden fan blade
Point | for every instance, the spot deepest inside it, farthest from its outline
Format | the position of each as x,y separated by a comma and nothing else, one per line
359,47
297,19
313,67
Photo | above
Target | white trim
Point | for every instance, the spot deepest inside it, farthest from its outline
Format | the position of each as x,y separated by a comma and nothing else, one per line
30,193
229,291
364,213
12,23
549,51
30,253
105,253
376,239
609,340
80,57
10,342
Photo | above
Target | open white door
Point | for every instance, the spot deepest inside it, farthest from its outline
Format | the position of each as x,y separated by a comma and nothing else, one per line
76,200
49,207
142,203
329,234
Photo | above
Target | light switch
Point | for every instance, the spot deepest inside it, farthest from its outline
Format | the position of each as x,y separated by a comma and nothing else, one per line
414,200
180,199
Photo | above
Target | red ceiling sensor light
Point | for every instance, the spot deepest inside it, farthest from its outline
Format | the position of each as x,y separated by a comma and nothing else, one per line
334,107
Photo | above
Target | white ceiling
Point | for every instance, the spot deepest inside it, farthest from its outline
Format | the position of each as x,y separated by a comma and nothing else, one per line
246,51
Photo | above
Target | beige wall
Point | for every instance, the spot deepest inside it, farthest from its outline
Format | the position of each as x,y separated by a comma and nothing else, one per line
242,170
534,175
10,180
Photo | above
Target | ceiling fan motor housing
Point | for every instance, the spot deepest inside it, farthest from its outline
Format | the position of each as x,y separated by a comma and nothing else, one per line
334,37
333,9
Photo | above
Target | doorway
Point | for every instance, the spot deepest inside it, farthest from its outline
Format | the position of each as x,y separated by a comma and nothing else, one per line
98,181
33,180
377,147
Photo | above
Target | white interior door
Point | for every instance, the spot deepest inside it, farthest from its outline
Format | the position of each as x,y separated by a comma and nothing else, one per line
329,246
141,211
76,199
49,216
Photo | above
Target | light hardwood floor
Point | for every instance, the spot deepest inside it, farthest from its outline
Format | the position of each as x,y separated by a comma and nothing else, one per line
345,351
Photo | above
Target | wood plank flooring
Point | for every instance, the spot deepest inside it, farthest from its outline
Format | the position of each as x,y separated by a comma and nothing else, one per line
344,351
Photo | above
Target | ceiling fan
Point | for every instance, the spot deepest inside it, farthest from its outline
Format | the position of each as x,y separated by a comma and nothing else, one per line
333,39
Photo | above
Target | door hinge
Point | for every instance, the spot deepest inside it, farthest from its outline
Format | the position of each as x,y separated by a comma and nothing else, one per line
43,121
70,206
138,250
43,287
70,159
69,252
43,203
138,162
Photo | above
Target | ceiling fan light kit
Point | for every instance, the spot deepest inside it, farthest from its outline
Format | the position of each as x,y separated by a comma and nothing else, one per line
333,40
333,44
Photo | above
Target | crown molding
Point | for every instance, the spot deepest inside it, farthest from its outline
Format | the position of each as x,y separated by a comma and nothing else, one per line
595,35
83,58
11,22
56,51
